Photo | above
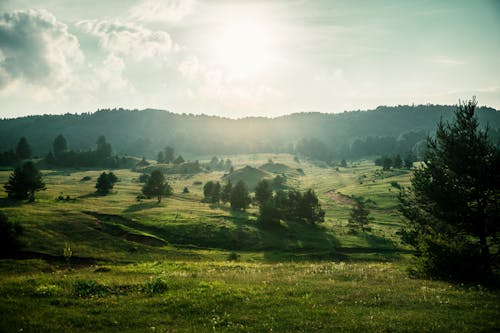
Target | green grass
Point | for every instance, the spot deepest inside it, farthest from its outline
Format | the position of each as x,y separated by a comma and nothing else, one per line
143,266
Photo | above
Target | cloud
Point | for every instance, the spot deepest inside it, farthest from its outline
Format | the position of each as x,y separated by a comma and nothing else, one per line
37,49
447,61
190,67
129,39
162,10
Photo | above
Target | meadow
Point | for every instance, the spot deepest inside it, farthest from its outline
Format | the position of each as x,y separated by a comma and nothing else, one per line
187,266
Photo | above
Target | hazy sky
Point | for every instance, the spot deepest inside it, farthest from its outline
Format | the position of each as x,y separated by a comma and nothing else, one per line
239,58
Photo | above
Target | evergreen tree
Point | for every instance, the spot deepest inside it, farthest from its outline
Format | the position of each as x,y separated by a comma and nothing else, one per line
23,149
104,149
240,198
179,160
60,146
169,154
408,160
343,163
359,216
397,162
103,184
24,182
263,191
309,208
269,214
160,158
157,186
225,194
452,206
9,236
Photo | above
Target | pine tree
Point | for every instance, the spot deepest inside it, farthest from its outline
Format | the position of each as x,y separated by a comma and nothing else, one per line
23,149
225,194
24,182
157,186
60,146
452,206
168,155
360,215
240,198
263,191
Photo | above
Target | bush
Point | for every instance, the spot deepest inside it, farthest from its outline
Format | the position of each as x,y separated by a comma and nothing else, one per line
86,179
233,256
155,286
89,288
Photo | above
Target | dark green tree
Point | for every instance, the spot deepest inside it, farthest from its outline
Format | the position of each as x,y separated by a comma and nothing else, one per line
24,182
212,191
160,158
179,160
452,205
359,217
9,236
157,186
225,194
408,160
60,146
269,214
104,149
397,162
343,163
263,191
309,208
23,149
104,184
240,198
169,154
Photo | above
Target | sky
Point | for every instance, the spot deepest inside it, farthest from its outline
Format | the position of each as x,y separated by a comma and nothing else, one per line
245,58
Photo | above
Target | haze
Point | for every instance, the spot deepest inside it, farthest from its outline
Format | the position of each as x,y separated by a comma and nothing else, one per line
245,58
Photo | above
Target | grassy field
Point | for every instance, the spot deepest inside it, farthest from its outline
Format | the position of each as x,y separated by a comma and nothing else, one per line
183,265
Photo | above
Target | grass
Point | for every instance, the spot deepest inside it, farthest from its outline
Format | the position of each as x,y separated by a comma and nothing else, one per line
187,266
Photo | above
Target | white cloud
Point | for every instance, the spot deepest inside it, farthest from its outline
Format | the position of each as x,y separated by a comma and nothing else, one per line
190,67
162,10
129,39
447,61
38,50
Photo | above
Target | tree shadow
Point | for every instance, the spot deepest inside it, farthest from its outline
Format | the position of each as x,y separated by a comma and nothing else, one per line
6,202
141,206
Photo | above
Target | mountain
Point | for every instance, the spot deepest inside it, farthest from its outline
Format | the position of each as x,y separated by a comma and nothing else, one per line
320,135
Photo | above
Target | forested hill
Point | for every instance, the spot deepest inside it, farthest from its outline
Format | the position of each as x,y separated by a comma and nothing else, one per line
325,136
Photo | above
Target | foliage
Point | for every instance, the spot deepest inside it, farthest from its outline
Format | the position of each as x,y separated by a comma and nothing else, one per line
179,160
263,191
143,178
359,217
9,236
105,182
156,286
157,186
23,149
240,197
59,146
343,163
452,204
269,214
212,192
24,182
225,194
168,154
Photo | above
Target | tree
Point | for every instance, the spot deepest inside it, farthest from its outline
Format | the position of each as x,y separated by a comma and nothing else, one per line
397,162
360,215
156,186
269,214
9,236
211,191
105,183
168,154
263,191
225,194
452,205
160,158
24,182
408,160
343,163
59,146
309,207
240,198
179,160
104,149
23,149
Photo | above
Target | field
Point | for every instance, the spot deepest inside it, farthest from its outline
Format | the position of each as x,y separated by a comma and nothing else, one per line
183,265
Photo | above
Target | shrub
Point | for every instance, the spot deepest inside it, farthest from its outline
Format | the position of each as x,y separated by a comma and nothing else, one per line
233,256
9,236
89,288
155,286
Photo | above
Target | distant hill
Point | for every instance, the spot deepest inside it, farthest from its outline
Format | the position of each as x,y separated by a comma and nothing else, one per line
318,135
251,176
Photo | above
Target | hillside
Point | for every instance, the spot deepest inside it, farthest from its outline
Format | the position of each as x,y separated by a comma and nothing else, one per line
324,136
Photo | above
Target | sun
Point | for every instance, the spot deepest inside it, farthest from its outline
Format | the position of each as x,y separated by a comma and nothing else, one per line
244,49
